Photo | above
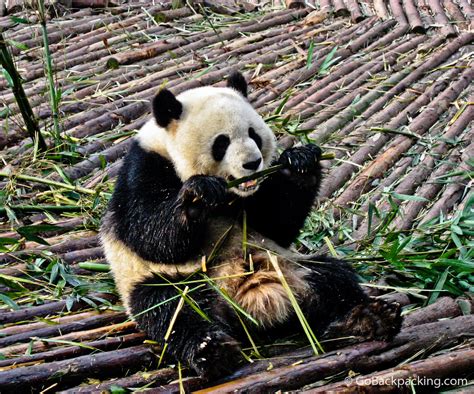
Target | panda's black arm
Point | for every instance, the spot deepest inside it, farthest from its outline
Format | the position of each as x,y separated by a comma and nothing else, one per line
149,216
280,207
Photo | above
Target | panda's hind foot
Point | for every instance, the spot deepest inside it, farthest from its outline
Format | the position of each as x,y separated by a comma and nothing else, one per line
377,319
217,355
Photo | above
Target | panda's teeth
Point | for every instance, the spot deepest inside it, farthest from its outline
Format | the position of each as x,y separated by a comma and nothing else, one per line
248,185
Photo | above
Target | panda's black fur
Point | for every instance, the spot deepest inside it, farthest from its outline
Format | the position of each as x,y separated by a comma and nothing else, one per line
163,223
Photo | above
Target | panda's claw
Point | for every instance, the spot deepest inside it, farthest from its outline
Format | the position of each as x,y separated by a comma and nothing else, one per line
301,160
217,355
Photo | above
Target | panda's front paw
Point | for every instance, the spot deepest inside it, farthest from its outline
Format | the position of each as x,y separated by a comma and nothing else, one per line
201,193
302,161
218,354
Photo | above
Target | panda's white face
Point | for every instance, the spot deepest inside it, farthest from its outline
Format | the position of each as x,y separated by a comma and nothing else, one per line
218,133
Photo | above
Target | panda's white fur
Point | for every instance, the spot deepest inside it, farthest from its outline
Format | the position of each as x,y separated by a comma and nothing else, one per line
208,112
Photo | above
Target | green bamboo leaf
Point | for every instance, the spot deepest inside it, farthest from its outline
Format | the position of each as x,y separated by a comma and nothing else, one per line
8,77
407,197
17,19
8,301
439,286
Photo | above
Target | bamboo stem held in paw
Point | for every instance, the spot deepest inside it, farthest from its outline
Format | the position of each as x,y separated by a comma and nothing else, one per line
269,171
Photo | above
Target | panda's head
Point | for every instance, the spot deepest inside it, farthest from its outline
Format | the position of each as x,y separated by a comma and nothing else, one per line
210,131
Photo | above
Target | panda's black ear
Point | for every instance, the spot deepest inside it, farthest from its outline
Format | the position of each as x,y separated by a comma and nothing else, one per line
237,81
166,107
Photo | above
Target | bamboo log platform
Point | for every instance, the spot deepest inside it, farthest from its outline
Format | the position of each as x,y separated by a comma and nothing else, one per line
385,85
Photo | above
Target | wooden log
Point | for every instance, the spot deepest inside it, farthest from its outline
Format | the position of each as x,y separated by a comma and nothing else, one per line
355,78
62,247
82,53
72,351
441,19
413,17
363,357
19,328
410,182
104,364
370,117
332,77
429,191
371,32
140,104
344,171
444,307
455,13
325,5
336,122
404,377
89,323
340,8
381,9
159,377
295,4
354,9
468,11
77,336
129,111
51,308
397,11
154,49
436,335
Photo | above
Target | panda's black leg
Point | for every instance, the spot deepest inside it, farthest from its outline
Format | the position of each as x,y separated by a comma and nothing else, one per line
206,345
338,307
374,319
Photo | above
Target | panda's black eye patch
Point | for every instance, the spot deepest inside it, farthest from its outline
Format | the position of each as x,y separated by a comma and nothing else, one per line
219,147
255,137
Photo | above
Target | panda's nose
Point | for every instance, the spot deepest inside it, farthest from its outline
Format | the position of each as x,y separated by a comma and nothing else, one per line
252,165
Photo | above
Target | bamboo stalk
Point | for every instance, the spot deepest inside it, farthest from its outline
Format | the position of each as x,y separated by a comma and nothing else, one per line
268,171
22,101
54,99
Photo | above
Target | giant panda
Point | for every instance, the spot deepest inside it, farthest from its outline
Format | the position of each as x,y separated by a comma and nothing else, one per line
172,223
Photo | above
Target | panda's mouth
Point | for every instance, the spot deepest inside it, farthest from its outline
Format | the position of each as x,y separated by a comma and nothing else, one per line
246,186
